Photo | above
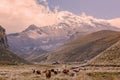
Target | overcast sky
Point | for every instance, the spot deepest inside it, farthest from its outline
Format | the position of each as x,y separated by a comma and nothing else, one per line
16,15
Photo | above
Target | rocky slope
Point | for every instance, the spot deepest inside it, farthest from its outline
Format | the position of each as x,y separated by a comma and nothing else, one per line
3,38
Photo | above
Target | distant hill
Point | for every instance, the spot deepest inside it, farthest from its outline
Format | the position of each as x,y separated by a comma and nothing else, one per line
110,57
85,48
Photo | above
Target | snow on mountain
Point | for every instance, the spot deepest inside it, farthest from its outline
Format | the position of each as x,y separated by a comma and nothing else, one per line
76,20
34,32
47,38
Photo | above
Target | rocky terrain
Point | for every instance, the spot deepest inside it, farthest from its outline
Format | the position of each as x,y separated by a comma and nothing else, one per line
3,38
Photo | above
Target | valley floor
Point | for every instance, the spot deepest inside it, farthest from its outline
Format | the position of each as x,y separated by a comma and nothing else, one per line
86,73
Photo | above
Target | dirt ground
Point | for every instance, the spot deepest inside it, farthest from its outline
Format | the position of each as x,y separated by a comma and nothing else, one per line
25,72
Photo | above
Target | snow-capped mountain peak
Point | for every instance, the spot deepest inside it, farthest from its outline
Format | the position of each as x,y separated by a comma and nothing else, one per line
34,32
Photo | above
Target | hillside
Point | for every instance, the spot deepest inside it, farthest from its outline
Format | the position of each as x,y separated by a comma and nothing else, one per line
83,48
9,58
110,57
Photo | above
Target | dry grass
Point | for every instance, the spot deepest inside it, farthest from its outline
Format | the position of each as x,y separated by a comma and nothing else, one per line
109,57
105,76
25,73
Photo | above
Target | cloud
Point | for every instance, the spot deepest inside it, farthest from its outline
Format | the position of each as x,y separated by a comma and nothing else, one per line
16,15
56,9
43,2
115,22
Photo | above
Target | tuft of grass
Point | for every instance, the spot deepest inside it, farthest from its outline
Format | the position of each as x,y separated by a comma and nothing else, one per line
104,75
61,79
26,73
3,78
